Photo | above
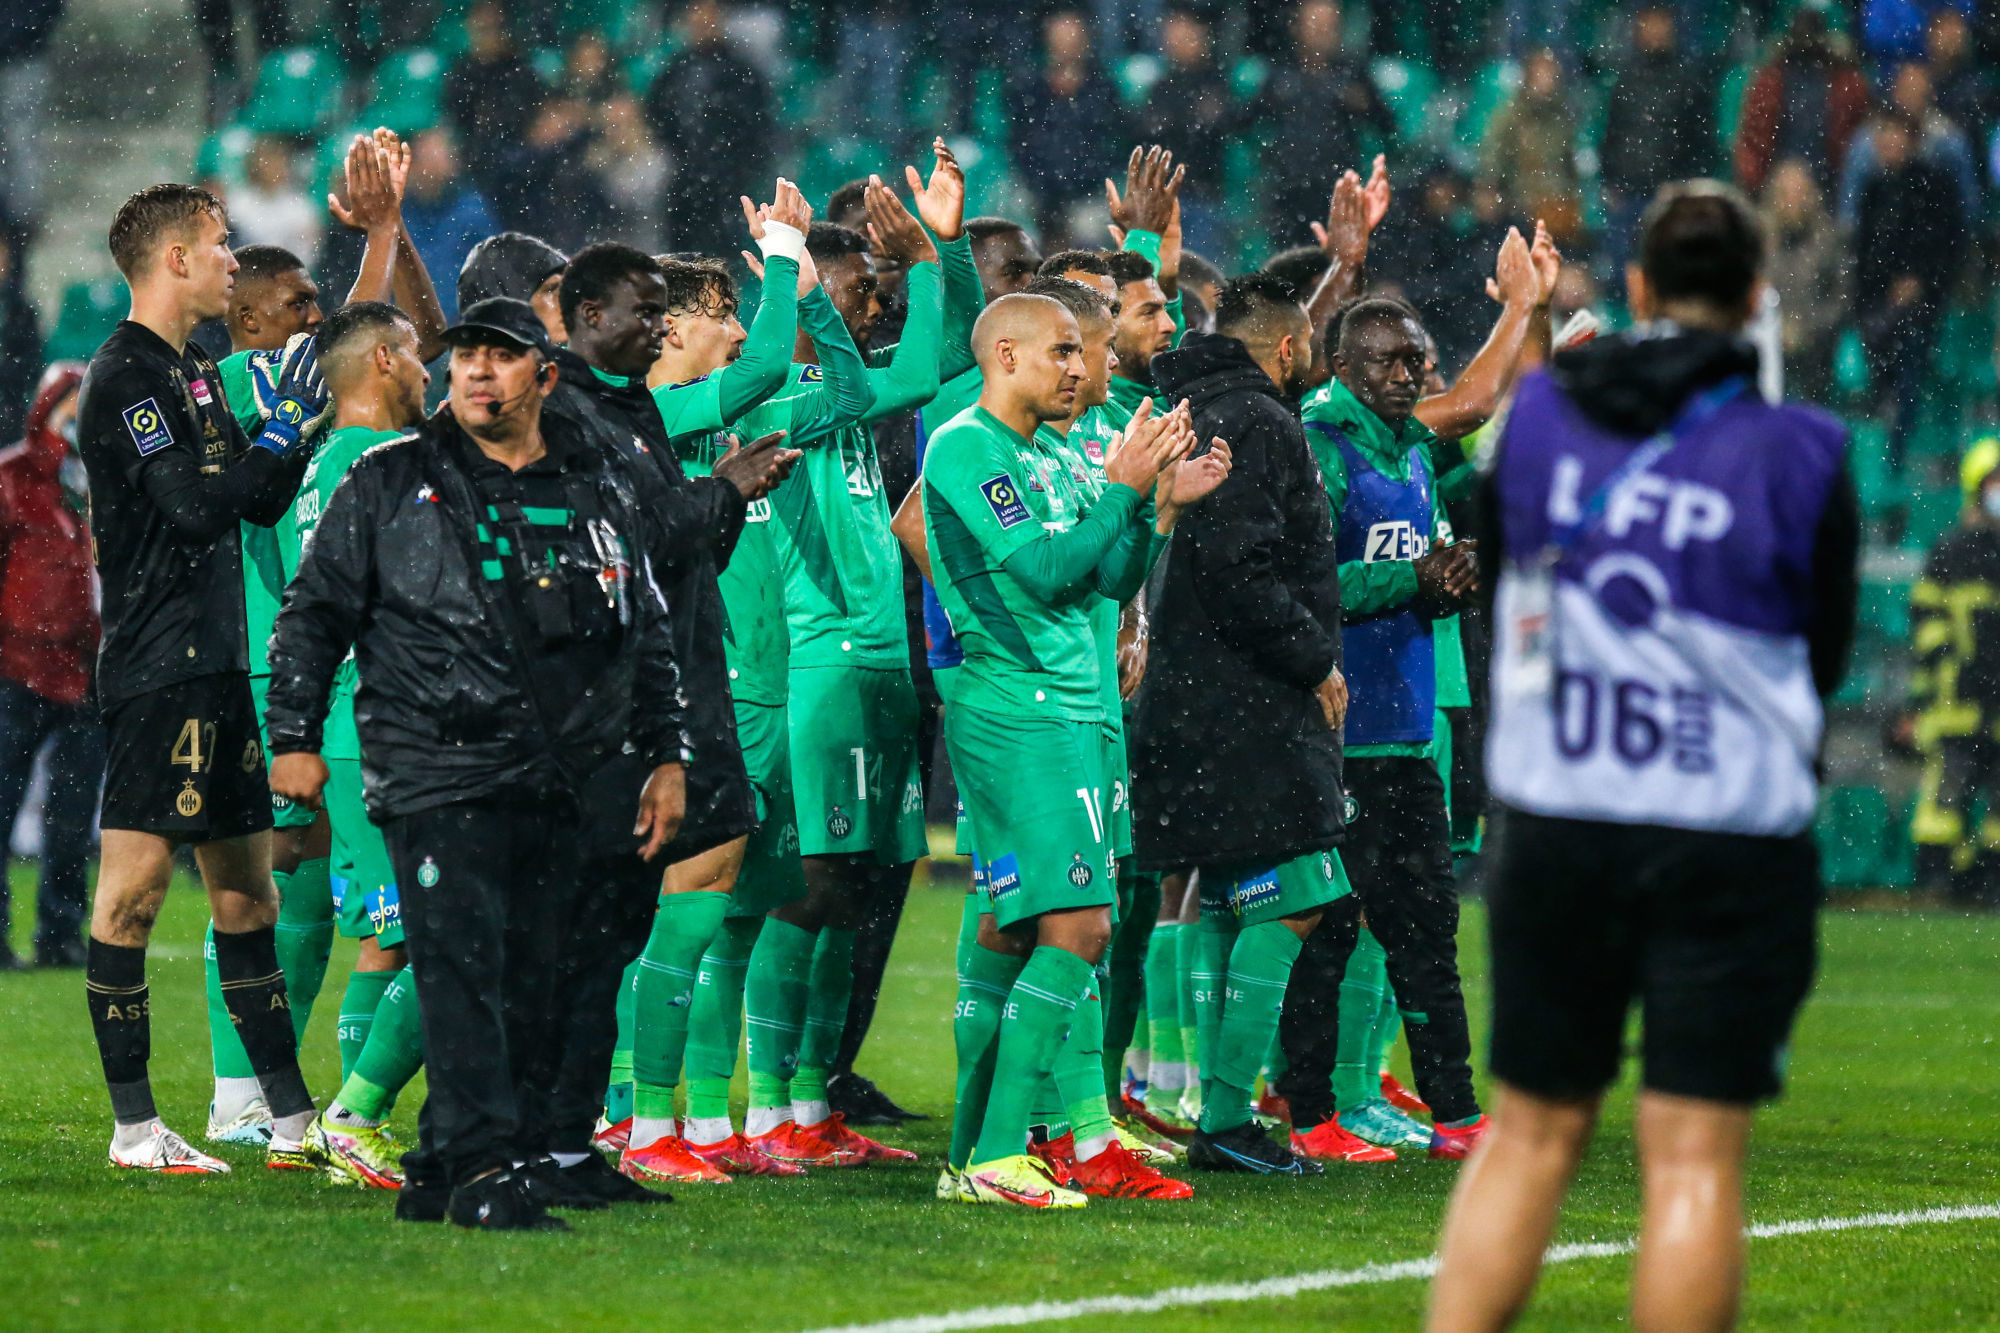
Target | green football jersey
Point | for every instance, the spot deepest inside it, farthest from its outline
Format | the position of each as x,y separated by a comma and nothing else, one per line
843,567
988,492
754,637
263,579
330,462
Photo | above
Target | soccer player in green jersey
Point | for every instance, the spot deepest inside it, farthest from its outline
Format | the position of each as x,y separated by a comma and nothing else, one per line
274,299
369,354
1014,548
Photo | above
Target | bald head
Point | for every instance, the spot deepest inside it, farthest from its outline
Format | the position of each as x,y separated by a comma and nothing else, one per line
1031,353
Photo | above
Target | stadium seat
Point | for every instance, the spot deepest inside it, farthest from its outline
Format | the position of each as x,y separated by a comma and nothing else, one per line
89,311
408,86
298,91
1729,105
1850,365
1247,76
1408,89
1878,487
1932,512
1491,88
830,162
1135,76
1851,831
221,154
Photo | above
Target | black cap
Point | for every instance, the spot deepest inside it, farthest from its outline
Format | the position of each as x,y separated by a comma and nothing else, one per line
500,319
512,263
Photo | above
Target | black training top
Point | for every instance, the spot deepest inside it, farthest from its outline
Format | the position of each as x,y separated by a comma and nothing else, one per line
171,477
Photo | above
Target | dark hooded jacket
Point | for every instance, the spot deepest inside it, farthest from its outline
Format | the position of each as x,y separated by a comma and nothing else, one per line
1232,759
445,708
511,263
696,522
48,608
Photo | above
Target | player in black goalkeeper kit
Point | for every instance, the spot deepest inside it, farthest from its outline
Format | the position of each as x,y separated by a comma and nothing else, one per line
171,478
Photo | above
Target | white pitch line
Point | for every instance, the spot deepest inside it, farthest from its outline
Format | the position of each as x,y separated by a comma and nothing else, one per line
1276,1288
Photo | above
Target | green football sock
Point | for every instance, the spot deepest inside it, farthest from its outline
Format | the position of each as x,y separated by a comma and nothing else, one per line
1213,935
358,1005
1260,966
1124,982
225,1047
1079,1073
984,979
1187,949
682,930
774,1007
393,1055
1038,1015
304,936
715,1021
1168,1074
618,1093
1356,1063
826,1019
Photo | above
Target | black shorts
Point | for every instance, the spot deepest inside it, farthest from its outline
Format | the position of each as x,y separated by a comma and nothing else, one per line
1714,935
186,762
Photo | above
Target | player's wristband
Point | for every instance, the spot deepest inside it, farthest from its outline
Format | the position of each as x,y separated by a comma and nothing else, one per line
278,437
781,240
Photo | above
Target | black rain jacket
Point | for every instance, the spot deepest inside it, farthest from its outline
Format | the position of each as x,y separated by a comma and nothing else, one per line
1232,759
696,521
444,709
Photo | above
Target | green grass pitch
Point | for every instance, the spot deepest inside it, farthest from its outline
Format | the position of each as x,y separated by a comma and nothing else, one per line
1892,1107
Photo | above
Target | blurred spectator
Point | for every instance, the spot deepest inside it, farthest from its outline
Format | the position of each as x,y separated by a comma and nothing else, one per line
25,29
1893,30
444,213
973,39
48,641
1309,117
1528,26
1530,151
269,207
20,338
367,30
1806,102
633,171
1659,125
1067,124
215,21
550,182
1433,247
1939,142
1192,109
1909,234
1966,90
1809,267
874,65
712,111
490,92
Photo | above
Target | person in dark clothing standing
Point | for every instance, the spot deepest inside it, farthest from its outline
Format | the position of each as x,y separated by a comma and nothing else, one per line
1062,116
1659,124
1194,108
1398,575
1250,793
1309,119
171,480
1909,234
712,110
48,638
1676,595
490,93
492,574
614,306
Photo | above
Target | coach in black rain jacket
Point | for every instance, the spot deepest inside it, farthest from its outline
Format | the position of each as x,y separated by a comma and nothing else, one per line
444,707
1232,758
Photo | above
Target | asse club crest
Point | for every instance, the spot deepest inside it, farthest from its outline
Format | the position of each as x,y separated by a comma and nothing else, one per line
1079,872
839,823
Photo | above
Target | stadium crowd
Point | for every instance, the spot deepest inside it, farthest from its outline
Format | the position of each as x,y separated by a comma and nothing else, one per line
588,620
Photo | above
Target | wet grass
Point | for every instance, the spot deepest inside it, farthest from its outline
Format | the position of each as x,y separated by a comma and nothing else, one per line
1892,1107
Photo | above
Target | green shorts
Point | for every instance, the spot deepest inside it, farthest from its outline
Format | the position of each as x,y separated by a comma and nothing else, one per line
1254,894
1034,792
771,875
854,763
284,814
365,902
